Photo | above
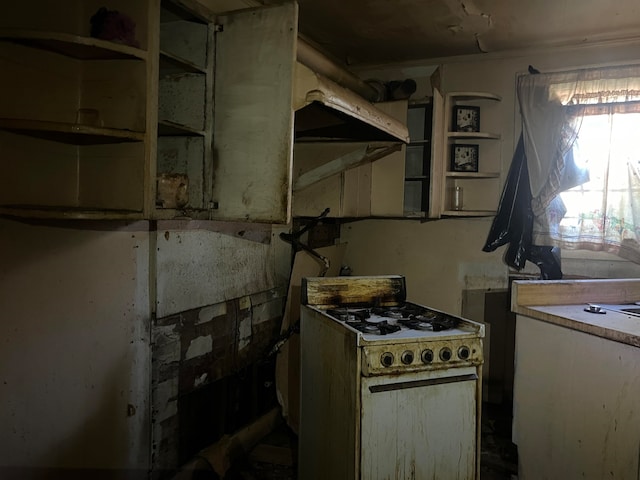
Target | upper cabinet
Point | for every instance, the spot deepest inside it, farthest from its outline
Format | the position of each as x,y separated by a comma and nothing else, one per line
466,152
183,166
74,110
122,126
158,109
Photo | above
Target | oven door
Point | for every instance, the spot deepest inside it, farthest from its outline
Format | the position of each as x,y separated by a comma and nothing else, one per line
420,425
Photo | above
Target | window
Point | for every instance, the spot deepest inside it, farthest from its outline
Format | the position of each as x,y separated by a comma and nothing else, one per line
600,213
582,145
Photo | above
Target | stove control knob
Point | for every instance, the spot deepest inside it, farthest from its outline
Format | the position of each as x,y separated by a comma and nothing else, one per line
445,354
463,352
427,356
386,359
407,357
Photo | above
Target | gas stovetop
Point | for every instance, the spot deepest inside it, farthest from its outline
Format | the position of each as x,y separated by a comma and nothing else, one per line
408,337
398,321
395,336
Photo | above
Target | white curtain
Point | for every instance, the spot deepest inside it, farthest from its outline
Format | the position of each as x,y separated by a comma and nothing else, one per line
554,107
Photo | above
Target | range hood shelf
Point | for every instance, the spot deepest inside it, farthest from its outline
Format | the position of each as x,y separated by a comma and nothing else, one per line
327,113
325,110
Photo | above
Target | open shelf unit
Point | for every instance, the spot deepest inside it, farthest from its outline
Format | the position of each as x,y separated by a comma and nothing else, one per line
185,111
73,114
417,181
476,188
124,129
93,128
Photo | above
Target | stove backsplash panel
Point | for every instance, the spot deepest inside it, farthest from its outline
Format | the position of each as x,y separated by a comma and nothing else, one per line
362,290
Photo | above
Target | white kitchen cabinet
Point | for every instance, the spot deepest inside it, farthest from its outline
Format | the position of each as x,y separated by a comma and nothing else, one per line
576,382
74,124
91,128
478,187
196,120
575,402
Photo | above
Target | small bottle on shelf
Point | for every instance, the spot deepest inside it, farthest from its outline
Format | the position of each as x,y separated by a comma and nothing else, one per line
457,200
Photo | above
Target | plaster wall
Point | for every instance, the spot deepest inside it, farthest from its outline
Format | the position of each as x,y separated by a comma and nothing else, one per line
75,354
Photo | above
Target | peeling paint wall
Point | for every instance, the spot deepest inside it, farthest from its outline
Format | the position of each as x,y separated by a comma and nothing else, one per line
220,298
196,268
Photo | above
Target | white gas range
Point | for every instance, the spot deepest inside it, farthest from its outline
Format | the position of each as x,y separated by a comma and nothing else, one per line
389,389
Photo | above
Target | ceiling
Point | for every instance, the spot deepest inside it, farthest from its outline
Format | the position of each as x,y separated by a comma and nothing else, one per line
373,32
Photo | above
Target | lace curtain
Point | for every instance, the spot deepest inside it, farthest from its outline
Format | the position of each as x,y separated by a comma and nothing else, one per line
554,107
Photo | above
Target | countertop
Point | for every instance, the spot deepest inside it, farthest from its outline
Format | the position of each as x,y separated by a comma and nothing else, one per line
562,302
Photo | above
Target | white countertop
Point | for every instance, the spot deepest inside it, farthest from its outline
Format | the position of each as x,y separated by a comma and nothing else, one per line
616,326
562,302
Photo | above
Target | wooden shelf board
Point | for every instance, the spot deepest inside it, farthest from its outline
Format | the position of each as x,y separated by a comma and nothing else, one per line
474,135
414,214
472,174
70,133
168,128
160,213
74,46
469,213
475,96
172,64
67,212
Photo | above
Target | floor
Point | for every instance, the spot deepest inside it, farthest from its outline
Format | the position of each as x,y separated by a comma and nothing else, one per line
273,459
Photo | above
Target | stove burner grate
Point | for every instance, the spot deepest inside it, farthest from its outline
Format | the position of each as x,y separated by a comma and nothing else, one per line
380,328
349,314
409,316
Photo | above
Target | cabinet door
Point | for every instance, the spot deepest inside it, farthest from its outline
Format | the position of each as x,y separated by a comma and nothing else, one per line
253,116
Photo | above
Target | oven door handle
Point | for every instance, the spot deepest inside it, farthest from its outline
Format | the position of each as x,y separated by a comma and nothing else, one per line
472,377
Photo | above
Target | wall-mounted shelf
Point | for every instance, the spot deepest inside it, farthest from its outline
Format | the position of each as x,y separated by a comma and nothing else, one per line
74,46
172,64
473,135
472,174
65,212
468,213
73,119
418,179
476,188
183,166
70,133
